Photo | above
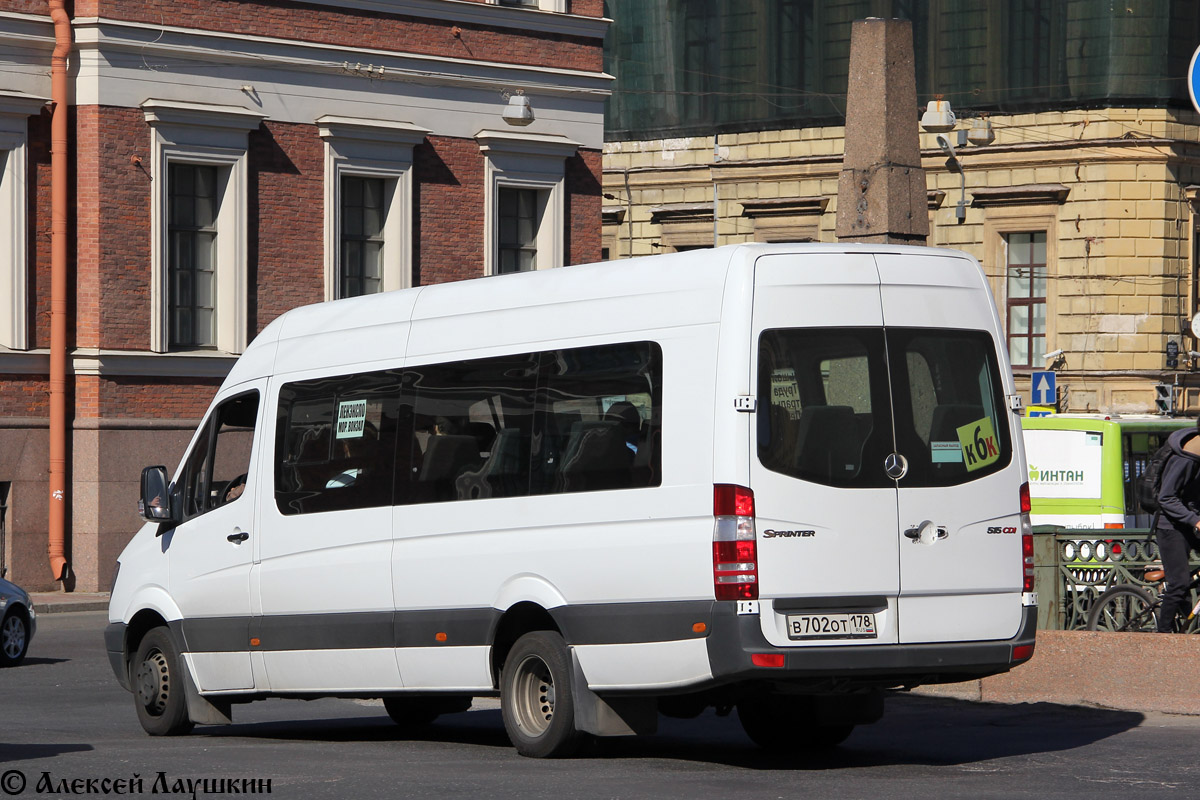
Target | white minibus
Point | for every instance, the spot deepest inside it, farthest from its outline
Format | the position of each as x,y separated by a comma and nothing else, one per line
778,478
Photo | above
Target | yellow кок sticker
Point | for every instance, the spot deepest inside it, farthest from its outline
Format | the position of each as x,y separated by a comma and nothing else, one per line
979,446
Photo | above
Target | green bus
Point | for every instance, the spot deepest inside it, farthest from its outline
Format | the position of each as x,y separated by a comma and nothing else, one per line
1084,468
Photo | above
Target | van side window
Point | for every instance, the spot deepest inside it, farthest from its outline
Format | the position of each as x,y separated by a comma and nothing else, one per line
335,443
472,429
572,420
217,469
600,418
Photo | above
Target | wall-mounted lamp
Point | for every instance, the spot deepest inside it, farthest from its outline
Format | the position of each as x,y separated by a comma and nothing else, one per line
518,111
939,118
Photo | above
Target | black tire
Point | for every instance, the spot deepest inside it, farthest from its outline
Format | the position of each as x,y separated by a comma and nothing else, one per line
14,637
1124,608
158,686
417,712
535,697
780,724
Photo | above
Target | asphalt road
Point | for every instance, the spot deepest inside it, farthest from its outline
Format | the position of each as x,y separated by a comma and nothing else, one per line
65,721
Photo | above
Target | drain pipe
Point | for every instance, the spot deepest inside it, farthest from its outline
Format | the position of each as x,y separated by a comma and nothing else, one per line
58,288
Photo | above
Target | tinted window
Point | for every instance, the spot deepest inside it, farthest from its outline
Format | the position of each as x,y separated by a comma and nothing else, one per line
839,401
951,422
572,420
335,443
473,428
827,418
600,419
217,468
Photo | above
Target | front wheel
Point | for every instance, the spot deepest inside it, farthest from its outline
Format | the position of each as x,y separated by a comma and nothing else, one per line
535,697
1124,608
158,686
14,638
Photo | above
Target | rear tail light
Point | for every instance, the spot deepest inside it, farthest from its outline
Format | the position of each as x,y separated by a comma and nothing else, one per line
1026,541
735,546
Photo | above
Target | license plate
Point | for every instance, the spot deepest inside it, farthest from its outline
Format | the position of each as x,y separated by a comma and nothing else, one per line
831,626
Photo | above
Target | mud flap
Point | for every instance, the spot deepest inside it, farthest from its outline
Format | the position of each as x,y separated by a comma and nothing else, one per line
613,716
200,709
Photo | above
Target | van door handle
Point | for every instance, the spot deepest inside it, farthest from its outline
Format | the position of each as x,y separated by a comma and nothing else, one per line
926,533
240,536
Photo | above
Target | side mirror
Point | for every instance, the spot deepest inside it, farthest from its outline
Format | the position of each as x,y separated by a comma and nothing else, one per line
155,502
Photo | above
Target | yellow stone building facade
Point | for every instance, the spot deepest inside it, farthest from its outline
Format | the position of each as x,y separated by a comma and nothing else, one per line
1102,203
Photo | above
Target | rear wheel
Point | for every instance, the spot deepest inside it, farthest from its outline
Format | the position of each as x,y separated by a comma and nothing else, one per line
783,724
158,686
14,637
535,697
1124,608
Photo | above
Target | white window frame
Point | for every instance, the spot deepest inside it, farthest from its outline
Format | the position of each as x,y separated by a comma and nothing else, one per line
526,161
371,149
557,6
198,133
15,110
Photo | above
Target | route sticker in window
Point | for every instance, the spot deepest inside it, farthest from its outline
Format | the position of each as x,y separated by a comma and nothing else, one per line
979,446
946,452
351,419
785,392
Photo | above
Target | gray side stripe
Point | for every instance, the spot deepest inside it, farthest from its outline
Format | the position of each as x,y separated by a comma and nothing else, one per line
609,623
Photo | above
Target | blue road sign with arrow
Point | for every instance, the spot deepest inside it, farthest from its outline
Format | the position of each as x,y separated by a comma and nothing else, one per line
1043,390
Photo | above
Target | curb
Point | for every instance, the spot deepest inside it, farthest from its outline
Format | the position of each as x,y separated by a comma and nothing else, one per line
1124,671
65,603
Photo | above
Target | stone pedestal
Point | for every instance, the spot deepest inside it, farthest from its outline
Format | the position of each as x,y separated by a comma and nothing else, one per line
881,188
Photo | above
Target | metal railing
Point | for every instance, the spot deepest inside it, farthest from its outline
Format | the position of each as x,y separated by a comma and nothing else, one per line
1072,567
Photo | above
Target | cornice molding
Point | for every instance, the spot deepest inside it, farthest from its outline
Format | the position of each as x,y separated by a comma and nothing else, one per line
1030,194
216,47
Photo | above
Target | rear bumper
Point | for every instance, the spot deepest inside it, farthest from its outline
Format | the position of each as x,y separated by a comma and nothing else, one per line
734,640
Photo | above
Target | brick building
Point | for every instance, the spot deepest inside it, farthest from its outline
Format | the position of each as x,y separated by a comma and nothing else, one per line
1083,210
230,160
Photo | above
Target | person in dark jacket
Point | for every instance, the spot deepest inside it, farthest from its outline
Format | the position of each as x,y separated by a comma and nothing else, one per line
1178,527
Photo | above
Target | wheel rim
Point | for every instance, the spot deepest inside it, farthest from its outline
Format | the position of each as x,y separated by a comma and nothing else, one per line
153,682
13,637
533,691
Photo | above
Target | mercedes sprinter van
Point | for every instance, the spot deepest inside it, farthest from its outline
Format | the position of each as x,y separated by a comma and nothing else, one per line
777,478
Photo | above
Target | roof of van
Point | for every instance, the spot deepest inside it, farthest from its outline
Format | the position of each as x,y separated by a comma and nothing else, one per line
697,270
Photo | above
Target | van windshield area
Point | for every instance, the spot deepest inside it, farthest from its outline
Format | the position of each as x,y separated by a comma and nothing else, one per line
839,401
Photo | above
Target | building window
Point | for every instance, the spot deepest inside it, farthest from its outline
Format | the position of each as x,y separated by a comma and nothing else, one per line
519,219
191,255
543,5
368,198
15,110
360,269
524,216
1026,298
199,276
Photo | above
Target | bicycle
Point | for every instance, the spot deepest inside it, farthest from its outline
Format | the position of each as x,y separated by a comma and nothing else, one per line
1131,608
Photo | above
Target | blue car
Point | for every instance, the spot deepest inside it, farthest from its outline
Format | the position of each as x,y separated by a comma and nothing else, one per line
17,623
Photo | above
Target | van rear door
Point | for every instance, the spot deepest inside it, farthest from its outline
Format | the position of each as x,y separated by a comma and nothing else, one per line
959,502
826,511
